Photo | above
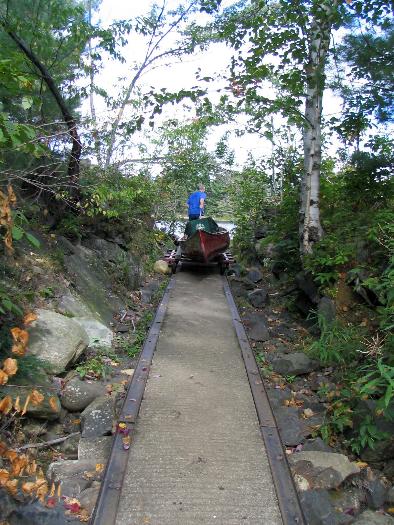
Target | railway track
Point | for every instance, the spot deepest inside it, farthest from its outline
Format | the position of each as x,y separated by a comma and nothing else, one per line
111,488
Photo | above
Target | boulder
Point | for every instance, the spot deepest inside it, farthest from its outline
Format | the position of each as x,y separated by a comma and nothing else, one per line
148,292
56,339
95,448
290,426
48,409
375,493
36,514
92,283
326,309
254,275
88,498
72,305
99,335
322,470
71,469
7,505
78,394
258,298
318,509
97,418
109,251
162,267
347,499
369,517
316,445
256,326
296,363
306,283
390,496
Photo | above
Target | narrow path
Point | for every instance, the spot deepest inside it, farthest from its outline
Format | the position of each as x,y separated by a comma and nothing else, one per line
197,455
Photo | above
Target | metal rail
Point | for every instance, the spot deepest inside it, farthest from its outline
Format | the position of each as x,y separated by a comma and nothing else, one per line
111,486
286,492
110,491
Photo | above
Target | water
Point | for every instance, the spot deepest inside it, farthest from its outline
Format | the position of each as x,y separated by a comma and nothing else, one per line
180,227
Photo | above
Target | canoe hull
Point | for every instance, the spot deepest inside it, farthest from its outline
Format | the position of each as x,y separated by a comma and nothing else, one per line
205,247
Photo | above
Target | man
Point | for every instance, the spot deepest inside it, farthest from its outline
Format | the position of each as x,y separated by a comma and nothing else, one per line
196,203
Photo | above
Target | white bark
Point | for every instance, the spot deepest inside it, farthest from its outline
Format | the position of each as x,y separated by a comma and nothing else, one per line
310,230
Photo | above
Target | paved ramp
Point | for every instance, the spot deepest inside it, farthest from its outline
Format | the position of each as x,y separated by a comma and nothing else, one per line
197,455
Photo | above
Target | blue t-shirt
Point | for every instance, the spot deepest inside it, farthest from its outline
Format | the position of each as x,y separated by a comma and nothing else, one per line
194,202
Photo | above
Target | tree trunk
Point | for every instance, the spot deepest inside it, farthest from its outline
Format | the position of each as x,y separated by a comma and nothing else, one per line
73,164
310,229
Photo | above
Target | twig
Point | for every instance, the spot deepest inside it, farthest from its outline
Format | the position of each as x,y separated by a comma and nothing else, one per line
47,443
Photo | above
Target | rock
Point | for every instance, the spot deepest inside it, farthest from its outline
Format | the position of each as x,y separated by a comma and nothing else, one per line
56,339
72,305
71,422
78,394
306,283
109,251
326,309
388,470
69,448
92,283
375,493
73,486
317,445
148,291
277,396
390,496
235,269
322,470
7,505
161,266
61,470
88,498
99,335
347,500
296,363
369,517
290,427
254,275
261,232
258,298
49,409
95,448
318,509
256,326
65,245
97,418
36,514
34,430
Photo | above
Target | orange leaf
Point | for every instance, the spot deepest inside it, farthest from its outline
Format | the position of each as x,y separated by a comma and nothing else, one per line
99,467
19,335
10,366
11,455
29,318
27,401
18,349
28,487
53,403
36,397
3,448
8,241
6,404
19,464
42,491
31,468
12,486
4,476
17,406
3,377
11,195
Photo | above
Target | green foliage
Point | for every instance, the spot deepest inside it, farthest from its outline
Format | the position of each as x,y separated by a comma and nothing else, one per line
367,435
98,365
338,343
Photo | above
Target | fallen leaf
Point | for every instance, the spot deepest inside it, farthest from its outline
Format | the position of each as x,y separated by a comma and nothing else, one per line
28,487
17,406
308,412
127,371
27,401
126,441
51,502
19,464
36,397
10,366
4,476
72,505
19,335
29,318
53,404
99,467
3,377
361,464
6,404
11,195
12,486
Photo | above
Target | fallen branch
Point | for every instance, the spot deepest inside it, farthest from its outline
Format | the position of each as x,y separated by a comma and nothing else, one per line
47,443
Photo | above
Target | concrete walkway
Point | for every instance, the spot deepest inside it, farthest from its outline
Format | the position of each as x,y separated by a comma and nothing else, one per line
197,455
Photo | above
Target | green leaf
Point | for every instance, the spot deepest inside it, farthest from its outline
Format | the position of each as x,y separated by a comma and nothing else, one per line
17,233
27,102
32,240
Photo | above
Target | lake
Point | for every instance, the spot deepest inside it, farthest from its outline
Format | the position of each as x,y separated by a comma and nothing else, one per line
180,226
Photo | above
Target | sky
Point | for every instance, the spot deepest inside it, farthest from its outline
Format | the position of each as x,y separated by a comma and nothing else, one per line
179,75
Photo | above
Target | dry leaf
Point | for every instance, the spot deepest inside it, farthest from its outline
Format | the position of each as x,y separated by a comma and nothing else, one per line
18,349
19,335
19,464
99,467
17,406
29,318
4,476
28,487
36,397
3,377
127,371
11,195
53,403
10,366
6,404
361,464
308,412
27,401
12,486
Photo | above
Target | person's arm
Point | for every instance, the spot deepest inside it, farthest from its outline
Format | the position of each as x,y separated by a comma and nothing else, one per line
202,203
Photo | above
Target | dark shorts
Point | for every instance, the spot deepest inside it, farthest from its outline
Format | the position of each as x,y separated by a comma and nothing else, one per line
193,217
